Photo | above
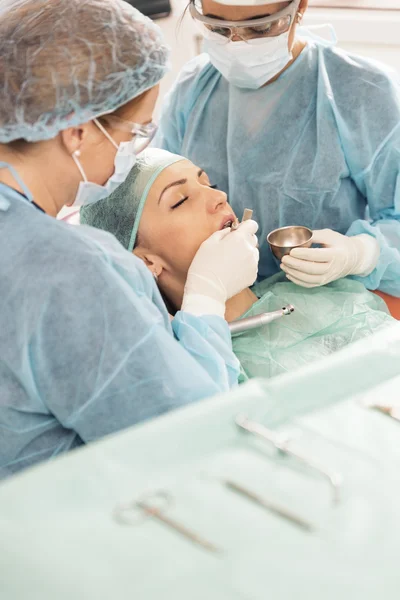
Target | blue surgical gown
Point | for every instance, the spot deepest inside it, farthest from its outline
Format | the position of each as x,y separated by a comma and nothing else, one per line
86,344
318,147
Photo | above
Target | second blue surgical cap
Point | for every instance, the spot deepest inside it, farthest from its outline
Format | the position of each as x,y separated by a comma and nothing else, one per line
120,213
65,62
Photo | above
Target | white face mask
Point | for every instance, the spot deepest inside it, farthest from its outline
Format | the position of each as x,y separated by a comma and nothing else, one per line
89,192
249,64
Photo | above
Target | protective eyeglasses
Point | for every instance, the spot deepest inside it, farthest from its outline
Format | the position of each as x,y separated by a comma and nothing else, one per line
264,27
142,134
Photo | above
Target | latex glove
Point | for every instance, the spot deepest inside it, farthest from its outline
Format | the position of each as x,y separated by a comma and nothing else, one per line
340,256
225,264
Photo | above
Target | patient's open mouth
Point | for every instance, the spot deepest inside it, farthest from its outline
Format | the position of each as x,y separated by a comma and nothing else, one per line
228,222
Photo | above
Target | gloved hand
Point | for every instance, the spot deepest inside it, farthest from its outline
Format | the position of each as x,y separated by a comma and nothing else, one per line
340,256
225,264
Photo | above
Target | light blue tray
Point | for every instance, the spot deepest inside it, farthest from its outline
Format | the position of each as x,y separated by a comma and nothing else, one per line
59,540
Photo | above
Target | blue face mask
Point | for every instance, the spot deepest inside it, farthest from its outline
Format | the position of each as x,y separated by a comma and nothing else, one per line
125,158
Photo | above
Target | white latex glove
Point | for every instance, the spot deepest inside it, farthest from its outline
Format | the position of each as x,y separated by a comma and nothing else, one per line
340,256
225,264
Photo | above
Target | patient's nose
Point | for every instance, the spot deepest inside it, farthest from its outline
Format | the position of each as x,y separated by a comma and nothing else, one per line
217,200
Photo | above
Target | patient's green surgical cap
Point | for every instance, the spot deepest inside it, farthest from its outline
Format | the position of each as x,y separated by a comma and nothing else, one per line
65,62
120,213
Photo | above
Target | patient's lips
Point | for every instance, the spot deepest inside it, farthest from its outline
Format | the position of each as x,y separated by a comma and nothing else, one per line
227,221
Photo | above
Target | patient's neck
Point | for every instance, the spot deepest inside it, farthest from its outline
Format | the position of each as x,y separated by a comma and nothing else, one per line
234,308
239,304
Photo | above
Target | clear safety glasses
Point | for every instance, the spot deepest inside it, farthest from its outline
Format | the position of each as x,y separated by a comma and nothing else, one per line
142,134
264,27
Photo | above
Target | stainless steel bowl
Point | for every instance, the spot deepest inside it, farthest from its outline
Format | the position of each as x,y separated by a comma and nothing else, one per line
283,240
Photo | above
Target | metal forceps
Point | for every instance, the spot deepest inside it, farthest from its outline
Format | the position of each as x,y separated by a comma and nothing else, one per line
154,505
282,444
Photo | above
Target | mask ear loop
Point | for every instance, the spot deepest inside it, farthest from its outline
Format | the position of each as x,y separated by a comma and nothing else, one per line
75,157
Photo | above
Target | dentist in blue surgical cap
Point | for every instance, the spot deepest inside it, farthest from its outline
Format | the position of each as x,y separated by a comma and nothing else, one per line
299,130
86,344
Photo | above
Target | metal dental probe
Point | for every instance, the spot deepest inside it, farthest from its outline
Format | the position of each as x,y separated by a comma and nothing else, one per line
259,320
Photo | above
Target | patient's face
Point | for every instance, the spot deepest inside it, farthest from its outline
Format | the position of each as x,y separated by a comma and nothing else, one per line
180,213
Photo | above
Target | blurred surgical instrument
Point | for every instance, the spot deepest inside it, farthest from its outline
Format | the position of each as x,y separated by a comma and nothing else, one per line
281,512
390,411
150,507
281,443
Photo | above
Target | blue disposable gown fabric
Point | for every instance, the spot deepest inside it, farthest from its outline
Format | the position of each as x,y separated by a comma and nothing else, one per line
318,147
86,343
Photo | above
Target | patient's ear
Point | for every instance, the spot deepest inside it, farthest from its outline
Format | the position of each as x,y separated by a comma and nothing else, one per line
153,262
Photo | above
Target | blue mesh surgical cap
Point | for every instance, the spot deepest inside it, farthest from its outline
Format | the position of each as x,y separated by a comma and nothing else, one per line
65,62
121,211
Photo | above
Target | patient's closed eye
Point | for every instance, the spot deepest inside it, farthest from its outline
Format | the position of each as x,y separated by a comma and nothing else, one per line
214,187
180,202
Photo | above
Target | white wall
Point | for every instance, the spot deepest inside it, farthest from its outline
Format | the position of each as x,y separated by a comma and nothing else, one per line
181,37
372,33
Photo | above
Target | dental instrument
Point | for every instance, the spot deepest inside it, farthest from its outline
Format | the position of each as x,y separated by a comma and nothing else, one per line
247,214
281,512
148,508
259,320
282,442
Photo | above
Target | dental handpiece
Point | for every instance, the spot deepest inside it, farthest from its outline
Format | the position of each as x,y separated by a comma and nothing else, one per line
259,320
